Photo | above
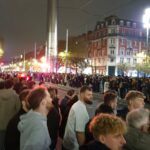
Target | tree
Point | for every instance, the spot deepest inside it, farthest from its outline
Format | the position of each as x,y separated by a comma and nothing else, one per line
124,67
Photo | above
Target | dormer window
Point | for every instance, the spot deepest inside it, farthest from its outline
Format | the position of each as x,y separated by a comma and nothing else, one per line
128,24
106,23
121,23
134,25
113,22
98,26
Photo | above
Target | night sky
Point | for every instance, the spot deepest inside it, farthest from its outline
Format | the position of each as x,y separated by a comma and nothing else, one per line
23,22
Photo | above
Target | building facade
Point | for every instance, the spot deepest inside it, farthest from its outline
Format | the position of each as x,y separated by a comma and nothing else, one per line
115,41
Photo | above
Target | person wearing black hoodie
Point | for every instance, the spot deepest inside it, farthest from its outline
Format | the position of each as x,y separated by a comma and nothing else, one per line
12,139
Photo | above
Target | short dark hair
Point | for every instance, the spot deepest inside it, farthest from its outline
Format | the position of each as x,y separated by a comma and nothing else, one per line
70,92
8,83
108,97
2,84
85,88
23,95
36,96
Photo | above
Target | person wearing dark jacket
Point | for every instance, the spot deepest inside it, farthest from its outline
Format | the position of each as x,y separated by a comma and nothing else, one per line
108,133
12,139
53,118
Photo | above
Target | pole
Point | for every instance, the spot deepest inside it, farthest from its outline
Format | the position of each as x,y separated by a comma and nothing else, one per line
147,40
52,33
24,67
66,53
35,50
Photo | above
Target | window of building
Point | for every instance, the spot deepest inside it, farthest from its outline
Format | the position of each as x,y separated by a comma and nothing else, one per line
134,61
112,52
129,43
128,24
121,23
134,25
122,41
106,23
128,52
122,51
98,27
111,60
128,60
113,22
102,25
112,41
113,30
135,43
100,60
121,60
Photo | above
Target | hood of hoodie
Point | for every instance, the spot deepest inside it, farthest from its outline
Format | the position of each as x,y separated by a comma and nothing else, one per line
6,94
30,119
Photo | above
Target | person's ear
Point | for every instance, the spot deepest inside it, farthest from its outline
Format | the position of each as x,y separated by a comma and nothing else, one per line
43,102
102,139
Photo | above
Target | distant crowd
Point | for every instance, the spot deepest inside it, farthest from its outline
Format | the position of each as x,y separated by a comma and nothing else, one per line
99,83
34,117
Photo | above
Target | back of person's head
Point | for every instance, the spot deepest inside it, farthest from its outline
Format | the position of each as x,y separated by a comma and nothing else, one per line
18,87
31,84
138,117
132,95
52,91
2,85
9,83
70,92
105,124
36,96
104,109
109,97
23,95
135,100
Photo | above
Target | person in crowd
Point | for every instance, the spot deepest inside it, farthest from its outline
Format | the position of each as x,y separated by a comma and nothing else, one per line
108,131
12,139
54,118
73,100
9,106
78,117
110,102
135,100
108,107
65,100
33,125
138,136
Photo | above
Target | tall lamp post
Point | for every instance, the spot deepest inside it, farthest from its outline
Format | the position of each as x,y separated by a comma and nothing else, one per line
146,21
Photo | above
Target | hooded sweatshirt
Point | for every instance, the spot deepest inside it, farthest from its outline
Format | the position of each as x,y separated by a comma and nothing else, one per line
34,132
9,106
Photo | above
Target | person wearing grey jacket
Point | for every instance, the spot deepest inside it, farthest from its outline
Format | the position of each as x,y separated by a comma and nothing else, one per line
138,136
33,125
9,106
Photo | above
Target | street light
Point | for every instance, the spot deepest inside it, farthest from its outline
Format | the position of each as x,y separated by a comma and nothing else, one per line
146,21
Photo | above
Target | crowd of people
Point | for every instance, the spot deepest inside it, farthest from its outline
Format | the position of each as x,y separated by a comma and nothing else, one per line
33,117
99,83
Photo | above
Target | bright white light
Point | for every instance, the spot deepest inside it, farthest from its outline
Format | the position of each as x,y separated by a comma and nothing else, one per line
44,66
87,70
147,11
43,59
146,18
